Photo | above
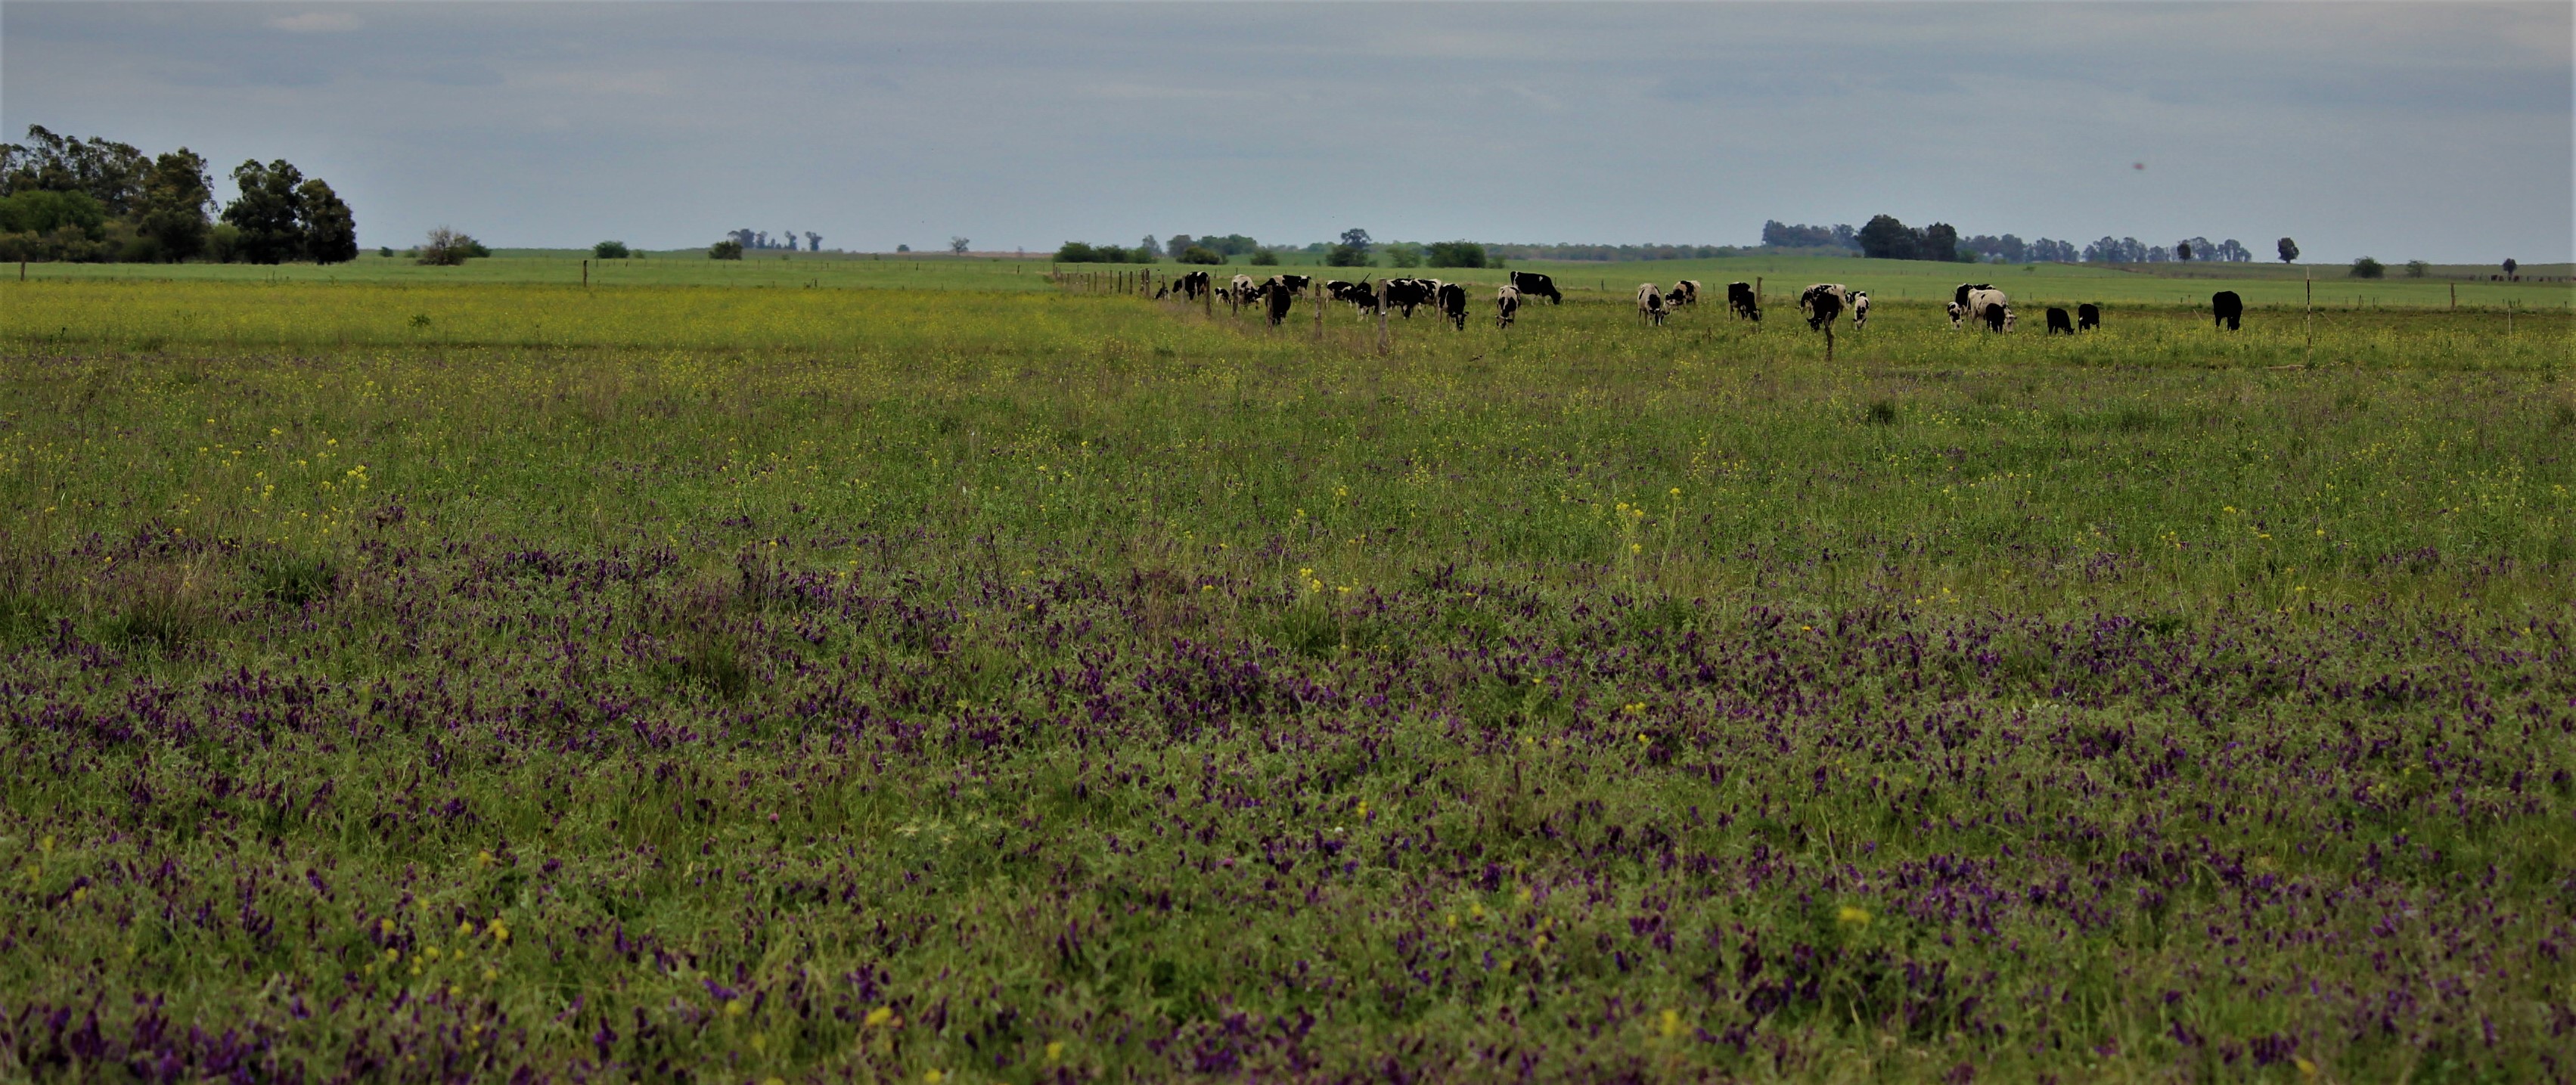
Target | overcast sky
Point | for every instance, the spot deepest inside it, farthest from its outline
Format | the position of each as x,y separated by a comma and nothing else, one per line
2439,131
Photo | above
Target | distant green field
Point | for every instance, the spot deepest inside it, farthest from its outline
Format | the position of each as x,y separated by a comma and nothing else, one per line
1886,280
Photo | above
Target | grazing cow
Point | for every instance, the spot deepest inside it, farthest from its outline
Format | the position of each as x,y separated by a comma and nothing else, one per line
1453,304
1988,304
1684,292
1243,285
1860,308
2088,317
1507,304
1278,295
2226,308
1359,294
1959,305
1823,302
1741,302
2060,321
1650,304
1402,295
1533,284
1297,283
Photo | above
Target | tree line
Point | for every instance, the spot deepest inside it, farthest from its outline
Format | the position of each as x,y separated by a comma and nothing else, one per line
97,201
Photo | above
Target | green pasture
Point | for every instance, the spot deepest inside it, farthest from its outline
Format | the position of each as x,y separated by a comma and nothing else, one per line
2031,286
428,679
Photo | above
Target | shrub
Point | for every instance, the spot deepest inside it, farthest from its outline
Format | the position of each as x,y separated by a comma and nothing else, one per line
1199,254
2367,268
2415,269
610,250
1404,254
447,248
725,250
1346,255
1457,254
1265,258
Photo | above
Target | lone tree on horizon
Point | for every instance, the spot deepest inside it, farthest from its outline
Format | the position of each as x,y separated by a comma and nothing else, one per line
957,245
2289,251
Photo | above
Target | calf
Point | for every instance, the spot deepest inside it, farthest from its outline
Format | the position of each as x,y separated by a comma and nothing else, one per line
1533,284
2059,321
1741,302
1507,304
2088,317
1984,303
1997,316
1650,304
1860,308
2226,308
1453,304
1685,292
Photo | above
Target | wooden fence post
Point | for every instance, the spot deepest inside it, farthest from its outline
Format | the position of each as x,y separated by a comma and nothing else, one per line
1318,301
585,274
2455,297
1381,320
2308,353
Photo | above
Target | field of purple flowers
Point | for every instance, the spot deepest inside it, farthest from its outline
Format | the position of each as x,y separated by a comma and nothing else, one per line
1052,689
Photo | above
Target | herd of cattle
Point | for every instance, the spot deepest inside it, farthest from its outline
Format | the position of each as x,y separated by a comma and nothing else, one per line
1822,303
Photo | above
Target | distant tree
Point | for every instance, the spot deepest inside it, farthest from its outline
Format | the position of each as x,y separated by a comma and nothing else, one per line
1402,254
2416,269
267,213
109,172
1358,239
1176,245
447,248
330,231
2182,251
957,245
2289,250
1886,238
2234,251
1457,254
1845,236
44,211
1939,241
2367,268
1346,255
1200,255
2510,266
386,251
813,241
727,249
172,211
1146,253
1076,252
609,250
903,248
1265,258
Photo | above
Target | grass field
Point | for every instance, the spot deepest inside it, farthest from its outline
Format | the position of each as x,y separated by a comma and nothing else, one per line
2263,286
431,680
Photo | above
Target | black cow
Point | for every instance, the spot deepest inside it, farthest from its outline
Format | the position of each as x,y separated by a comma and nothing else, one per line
1741,302
2088,317
2226,308
1453,304
1278,295
1402,295
1531,284
1998,317
2060,321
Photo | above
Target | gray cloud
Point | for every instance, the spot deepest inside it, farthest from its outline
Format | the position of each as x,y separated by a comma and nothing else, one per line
2400,130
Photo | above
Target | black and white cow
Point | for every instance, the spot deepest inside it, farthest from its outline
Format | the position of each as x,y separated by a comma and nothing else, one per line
2226,308
2088,317
1822,303
1507,304
1453,304
1650,304
1987,304
1403,295
1741,302
1860,308
1959,307
1359,294
1278,295
1684,292
1297,283
2060,321
1532,284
